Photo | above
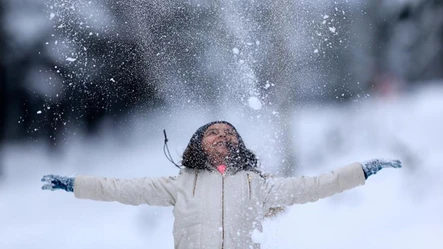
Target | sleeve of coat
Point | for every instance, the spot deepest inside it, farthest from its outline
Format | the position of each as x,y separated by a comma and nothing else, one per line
297,190
159,191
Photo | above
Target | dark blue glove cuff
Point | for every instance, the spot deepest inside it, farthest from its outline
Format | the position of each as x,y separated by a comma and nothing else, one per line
371,167
68,184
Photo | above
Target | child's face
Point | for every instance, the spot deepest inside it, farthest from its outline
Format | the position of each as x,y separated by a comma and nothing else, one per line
217,138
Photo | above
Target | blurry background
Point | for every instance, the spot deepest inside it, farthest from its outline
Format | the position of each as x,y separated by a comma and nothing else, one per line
86,87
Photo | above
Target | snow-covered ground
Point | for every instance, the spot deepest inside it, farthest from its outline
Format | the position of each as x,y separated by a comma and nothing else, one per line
396,209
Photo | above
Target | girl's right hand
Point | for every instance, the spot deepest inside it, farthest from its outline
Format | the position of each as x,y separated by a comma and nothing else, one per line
55,182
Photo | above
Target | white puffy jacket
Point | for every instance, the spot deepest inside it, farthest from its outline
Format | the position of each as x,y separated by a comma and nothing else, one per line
212,210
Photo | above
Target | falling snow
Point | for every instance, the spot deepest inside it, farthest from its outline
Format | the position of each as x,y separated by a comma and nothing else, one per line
254,103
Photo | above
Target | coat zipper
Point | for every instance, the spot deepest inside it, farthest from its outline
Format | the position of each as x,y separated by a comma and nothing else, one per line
249,185
195,183
223,211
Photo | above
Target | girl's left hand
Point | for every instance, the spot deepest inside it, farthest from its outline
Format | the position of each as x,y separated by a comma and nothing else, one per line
371,167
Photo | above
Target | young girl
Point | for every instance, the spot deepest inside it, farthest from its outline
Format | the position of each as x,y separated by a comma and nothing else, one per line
220,197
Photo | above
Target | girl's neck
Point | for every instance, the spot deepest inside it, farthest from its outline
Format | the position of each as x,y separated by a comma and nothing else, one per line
215,162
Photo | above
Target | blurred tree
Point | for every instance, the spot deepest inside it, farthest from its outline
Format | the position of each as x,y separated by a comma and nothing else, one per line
65,76
407,41
3,101
100,65
305,59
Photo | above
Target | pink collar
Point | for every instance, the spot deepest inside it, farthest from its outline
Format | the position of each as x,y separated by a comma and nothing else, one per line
221,168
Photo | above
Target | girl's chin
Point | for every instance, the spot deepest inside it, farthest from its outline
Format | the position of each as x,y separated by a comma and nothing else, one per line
223,154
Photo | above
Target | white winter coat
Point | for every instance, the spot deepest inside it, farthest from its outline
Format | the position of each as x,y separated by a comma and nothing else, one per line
215,211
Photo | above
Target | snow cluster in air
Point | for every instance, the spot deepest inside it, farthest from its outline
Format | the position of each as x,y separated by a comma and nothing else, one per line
255,103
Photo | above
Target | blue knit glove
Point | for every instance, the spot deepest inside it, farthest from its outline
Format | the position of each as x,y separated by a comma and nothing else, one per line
55,182
371,167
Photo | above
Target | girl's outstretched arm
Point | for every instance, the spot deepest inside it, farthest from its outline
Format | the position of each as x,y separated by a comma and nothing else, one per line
298,190
159,191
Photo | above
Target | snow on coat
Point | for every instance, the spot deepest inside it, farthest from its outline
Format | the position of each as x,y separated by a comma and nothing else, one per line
212,210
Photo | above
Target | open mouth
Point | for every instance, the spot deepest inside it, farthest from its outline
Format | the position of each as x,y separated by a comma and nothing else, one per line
220,144
225,144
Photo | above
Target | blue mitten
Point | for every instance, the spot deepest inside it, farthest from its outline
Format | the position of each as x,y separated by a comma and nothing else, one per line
55,182
371,167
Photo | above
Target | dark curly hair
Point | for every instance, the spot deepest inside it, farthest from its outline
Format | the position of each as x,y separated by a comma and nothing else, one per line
194,156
